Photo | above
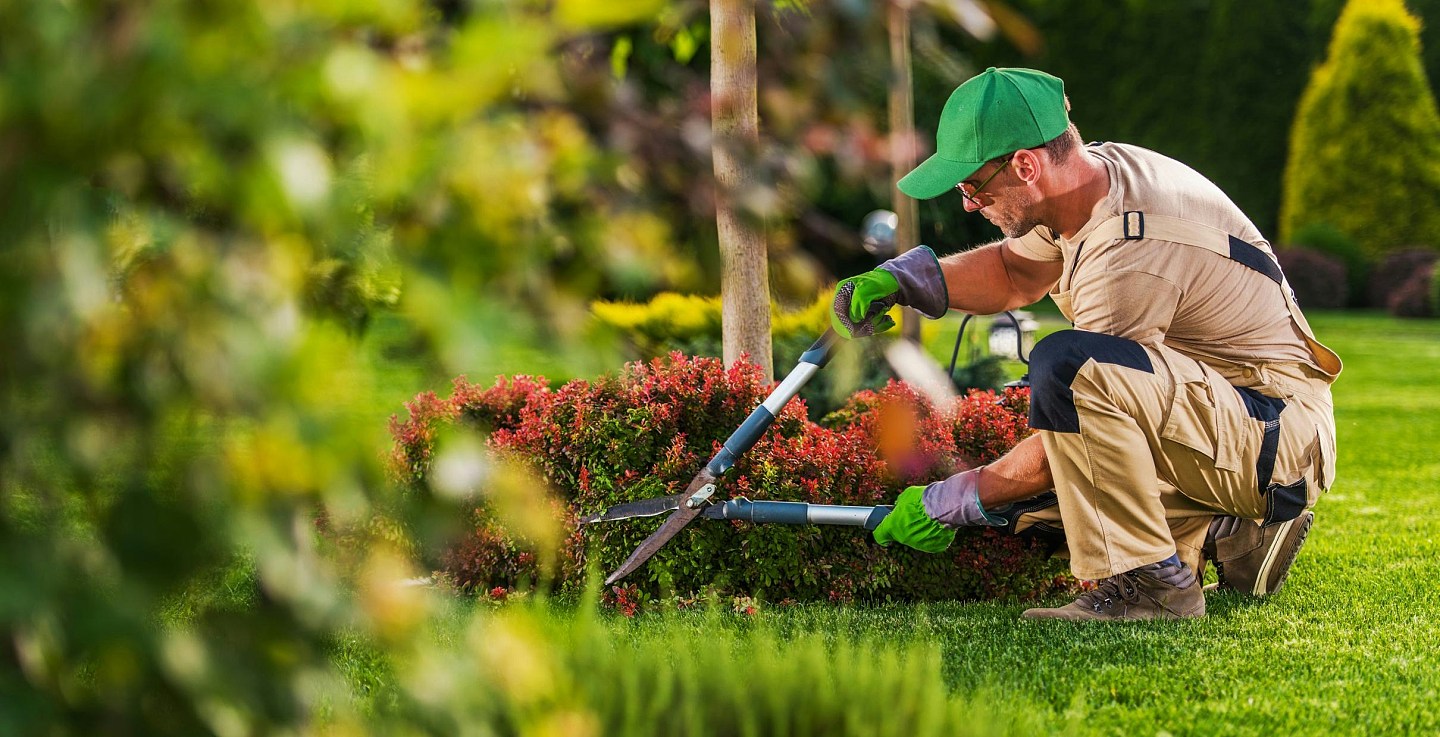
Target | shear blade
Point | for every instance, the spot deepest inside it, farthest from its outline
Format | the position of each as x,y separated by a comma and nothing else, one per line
682,516
631,510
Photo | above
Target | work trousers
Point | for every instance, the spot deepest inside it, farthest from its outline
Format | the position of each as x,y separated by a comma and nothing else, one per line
1147,445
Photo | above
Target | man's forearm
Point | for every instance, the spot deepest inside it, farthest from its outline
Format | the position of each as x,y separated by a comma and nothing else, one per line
930,513
1019,474
980,282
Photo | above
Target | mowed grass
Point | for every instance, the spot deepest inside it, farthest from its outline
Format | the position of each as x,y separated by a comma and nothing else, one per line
1350,646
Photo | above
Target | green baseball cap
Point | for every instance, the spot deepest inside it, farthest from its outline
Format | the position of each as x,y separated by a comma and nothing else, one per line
994,113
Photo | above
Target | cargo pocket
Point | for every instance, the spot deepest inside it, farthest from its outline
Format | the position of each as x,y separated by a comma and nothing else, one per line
1194,419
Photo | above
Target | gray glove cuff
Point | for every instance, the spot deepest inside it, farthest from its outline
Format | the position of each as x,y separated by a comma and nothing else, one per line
922,283
955,502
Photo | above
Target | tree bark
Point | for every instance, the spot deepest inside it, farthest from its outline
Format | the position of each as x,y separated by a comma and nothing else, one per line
744,275
902,145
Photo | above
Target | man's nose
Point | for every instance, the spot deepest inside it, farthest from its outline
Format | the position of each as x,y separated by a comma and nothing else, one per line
971,204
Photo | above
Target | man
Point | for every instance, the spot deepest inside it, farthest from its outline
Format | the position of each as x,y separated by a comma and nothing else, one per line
1191,401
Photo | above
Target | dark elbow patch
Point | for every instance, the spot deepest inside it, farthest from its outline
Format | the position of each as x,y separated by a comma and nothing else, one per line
1056,361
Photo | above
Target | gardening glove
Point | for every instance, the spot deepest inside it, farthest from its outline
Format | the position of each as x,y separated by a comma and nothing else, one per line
912,279
925,517
909,525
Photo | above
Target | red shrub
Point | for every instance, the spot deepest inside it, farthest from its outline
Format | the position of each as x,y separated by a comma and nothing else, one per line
498,407
650,428
987,425
821,466
646,432
489,556
415,437
626,600
910,434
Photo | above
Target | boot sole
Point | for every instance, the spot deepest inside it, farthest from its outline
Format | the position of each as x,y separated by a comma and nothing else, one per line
1288,540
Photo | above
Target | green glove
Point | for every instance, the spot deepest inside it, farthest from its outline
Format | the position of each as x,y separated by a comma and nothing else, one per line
912,279
861,304
909,525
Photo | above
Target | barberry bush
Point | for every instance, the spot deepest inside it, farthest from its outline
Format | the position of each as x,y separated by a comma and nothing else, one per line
646,431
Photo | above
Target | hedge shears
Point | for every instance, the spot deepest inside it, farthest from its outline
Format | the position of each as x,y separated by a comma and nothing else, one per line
696,500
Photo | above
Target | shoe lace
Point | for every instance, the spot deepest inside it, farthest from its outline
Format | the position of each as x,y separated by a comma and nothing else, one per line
1108,590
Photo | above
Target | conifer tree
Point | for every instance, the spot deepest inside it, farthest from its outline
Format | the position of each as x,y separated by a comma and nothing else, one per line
1365,147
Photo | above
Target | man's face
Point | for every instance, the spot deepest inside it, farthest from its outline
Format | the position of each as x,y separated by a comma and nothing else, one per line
1012,211
1000,199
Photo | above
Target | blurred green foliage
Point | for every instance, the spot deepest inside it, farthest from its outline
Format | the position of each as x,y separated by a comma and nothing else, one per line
189,193
718,669
1369,112
823,156
201,205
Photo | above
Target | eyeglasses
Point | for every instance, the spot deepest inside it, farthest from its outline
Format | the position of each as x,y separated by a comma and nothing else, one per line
969,192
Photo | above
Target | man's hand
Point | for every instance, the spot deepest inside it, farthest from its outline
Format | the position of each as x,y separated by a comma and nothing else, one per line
862,303
925,517
910,525
912,279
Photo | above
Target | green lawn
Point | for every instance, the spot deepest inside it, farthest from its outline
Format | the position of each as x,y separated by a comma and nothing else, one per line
1350,646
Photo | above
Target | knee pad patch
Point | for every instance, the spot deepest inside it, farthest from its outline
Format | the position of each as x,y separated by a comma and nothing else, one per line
1054,364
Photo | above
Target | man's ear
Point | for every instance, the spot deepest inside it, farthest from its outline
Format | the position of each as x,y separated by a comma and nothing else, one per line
1027,164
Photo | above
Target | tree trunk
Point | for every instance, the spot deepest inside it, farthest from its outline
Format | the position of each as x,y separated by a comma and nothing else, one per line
902,145
744,276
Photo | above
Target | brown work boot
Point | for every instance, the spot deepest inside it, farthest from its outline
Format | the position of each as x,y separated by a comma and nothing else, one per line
1157,591
1255,559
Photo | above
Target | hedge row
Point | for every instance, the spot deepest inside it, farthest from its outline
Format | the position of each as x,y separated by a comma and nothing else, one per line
645,432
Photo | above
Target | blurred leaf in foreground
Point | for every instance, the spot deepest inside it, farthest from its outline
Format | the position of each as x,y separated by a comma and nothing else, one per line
197,202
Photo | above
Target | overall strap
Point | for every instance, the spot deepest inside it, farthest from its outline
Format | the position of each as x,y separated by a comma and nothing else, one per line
1136,225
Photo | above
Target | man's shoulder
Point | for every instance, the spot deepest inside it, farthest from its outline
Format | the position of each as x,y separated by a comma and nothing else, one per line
1154,183
1138,162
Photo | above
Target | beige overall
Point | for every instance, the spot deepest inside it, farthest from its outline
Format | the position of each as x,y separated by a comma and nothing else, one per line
1150,426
